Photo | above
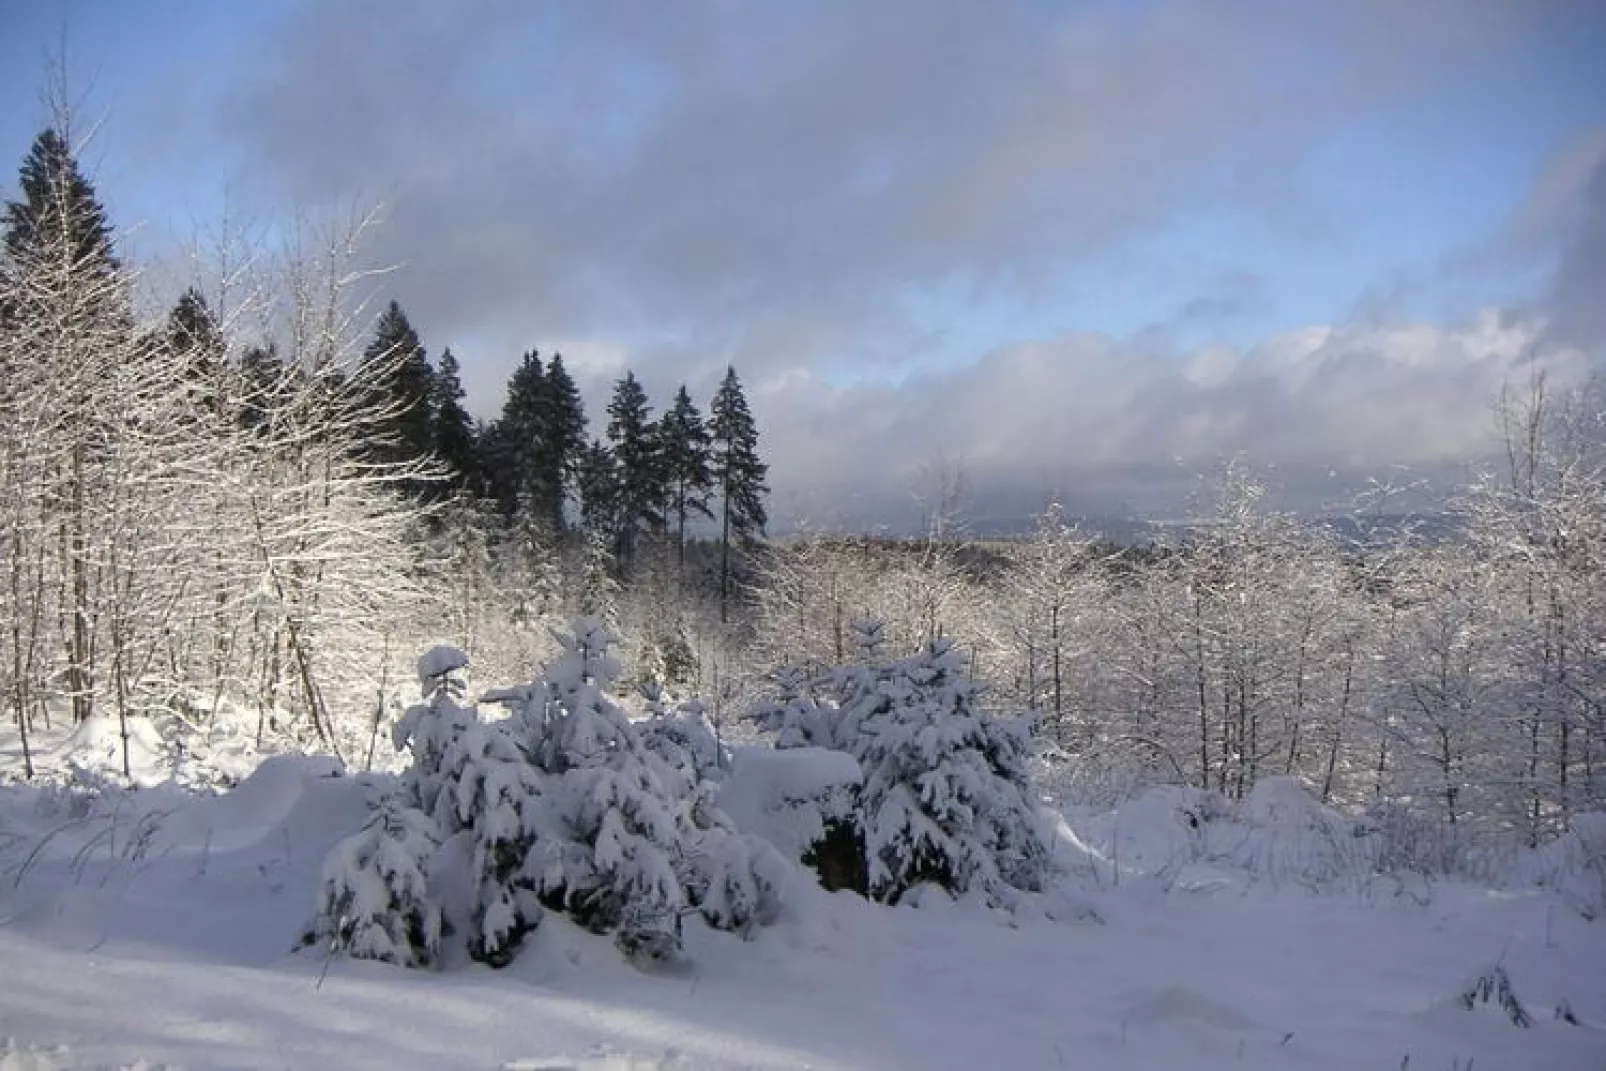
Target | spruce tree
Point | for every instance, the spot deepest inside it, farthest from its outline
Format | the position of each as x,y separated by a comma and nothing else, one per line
401,381
508,444
59,219
738,475
555,449
67,310
634,440
533,452
599,491
452,430
686,454
194,337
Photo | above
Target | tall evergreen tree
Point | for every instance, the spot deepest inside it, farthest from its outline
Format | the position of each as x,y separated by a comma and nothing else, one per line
686,448
633,436
738,475
599,486
194,337
59,219
67,310
402,384
509,441
534,450
452,430
555,453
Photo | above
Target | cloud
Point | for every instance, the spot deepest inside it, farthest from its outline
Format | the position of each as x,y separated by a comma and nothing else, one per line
1109,427
1577,297
872,209
739,173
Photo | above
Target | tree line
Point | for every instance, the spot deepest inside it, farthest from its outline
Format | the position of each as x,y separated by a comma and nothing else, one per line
644,479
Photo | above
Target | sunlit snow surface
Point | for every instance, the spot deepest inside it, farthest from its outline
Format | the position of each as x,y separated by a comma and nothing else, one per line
157,928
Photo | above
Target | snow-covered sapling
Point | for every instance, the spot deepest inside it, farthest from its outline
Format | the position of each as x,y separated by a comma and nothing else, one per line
429,728
373,902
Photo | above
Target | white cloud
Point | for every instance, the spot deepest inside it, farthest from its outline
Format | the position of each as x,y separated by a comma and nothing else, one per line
1109,425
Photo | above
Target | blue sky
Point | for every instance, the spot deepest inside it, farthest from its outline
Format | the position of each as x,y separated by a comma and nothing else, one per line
1148,234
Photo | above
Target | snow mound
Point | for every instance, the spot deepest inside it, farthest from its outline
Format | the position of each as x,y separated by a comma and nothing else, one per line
1196,841
787,796
1573,866
1179,1003
95,750
1281,803
273,800
437,662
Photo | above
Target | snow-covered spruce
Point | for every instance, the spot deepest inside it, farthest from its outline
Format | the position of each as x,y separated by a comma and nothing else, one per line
429,728
373,902
567,805
685,741
735,880
609,859
946,793
496,794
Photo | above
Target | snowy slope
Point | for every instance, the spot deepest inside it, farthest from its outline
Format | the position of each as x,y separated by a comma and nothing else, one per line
159,926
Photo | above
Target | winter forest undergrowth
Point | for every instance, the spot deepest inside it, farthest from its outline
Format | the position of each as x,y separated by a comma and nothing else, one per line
344,730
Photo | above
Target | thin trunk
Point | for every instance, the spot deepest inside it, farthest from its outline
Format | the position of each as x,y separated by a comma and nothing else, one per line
725,558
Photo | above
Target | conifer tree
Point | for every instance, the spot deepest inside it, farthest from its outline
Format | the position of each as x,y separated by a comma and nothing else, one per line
534,451
555,452
510,440
599,491
686,454
402,383
194,337
634,439
67,314
738,475
452,430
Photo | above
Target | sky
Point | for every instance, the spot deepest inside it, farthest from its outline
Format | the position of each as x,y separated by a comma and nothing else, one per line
1056,250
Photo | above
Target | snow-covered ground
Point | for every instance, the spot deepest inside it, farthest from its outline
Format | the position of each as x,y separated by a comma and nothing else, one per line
158,928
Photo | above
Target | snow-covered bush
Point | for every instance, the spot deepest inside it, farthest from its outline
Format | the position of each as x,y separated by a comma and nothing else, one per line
946,795
496,794
735,880
429,728
1574,865
686,742
373,901
564,805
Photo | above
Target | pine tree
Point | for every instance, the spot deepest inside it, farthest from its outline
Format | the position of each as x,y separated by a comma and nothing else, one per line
686,455
738,475
401,380
452,430
633,436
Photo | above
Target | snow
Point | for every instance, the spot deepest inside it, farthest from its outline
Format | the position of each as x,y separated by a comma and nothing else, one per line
786,796
158,928
437,662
